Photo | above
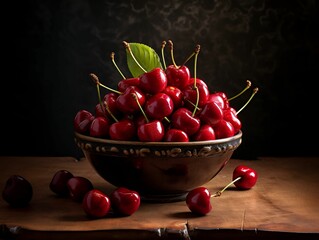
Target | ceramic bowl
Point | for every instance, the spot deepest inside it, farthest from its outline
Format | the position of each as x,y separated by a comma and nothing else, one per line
159,171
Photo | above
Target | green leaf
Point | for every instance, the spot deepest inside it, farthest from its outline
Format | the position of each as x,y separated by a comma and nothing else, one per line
145,56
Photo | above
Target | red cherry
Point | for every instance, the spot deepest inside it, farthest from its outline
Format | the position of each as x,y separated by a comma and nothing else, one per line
154,81
152,131
211,113
59,181
176,95
18,191
78,186
230,116
124,201
125,83
175,135
96,204
127,103
205,133
190,94
224,129
198,201
159,106
109,101
177,76
217,98
100,127
248,177
124,129
182,119
82,121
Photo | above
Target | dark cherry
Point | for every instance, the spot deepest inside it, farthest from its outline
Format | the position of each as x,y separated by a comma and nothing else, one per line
125,201
78,186
17,191
100,127
96,204
82,121
58,183
109,101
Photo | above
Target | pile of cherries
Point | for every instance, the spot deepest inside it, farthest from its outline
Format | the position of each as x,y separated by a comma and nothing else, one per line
163,104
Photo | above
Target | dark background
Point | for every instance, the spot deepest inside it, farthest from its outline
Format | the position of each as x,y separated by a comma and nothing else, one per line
50,47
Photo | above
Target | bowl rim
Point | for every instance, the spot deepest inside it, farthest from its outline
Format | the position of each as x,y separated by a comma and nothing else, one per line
238,135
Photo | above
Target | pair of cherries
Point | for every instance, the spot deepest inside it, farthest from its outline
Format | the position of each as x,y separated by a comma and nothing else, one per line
95,203
198,200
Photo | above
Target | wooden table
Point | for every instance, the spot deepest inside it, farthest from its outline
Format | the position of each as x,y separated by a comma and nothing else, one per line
284,204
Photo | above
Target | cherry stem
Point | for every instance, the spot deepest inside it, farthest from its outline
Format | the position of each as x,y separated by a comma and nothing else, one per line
171,46
99,97
187,59
127,46
247,86
163,58
192,104
196,52
95,79
218,193
139,105
251,97
109,111
112,57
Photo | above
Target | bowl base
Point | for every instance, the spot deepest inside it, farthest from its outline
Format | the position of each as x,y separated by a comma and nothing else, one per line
163,198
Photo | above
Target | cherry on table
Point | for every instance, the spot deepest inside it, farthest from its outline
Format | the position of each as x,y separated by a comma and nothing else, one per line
96,204
78,186
58,183
247,177
198,201
125,201
18,191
